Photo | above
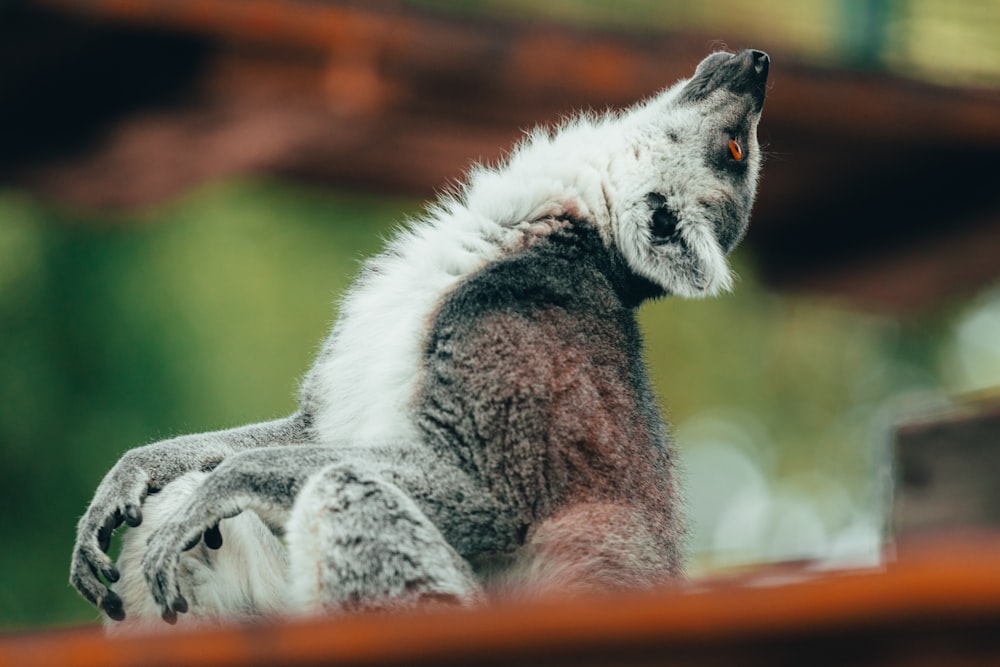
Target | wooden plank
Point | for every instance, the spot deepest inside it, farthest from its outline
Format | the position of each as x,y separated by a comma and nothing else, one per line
949,463
386,97
941,603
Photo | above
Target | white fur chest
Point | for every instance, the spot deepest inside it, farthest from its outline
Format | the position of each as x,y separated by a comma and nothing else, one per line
364,378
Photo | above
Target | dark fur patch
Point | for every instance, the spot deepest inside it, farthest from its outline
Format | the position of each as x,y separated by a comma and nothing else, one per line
535,384
729,221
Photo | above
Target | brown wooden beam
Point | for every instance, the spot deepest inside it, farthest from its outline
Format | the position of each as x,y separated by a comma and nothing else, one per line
949,462
875,186
938,606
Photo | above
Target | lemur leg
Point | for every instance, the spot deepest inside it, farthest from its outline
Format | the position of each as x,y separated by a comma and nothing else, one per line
358,542
428,504
264,481
593,547
245,577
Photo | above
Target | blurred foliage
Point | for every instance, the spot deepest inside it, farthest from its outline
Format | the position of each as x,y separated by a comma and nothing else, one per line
948,41
115,333
201,314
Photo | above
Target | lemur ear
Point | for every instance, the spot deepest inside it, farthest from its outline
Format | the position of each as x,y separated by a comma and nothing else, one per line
663,221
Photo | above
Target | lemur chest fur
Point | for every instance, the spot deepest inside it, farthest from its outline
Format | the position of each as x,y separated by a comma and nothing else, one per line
533,380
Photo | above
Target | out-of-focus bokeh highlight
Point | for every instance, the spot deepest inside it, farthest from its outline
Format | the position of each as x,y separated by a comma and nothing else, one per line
187,187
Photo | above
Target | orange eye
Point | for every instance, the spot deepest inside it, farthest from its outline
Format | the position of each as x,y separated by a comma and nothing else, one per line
735,150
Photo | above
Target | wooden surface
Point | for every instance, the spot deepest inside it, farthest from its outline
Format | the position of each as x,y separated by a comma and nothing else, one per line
949,464
939,605
876,187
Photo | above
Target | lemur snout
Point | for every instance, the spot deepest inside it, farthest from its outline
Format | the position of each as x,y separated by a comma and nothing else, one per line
743,73
761,62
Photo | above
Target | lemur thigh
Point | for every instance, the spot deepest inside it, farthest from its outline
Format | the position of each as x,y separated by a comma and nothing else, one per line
269,482
593,547
358,542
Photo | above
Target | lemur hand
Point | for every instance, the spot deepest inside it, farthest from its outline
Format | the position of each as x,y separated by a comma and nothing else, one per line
118,498
162,559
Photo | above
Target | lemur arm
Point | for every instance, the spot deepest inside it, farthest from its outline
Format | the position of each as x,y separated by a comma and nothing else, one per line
269,481
146,470
265,480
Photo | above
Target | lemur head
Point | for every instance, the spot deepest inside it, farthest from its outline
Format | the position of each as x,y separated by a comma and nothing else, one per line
668,183
679,201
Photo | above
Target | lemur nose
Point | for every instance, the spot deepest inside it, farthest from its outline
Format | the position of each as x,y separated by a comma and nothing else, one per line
761,62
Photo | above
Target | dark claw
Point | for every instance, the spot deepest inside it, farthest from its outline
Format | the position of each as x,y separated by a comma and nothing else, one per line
133,516
213,537
192,543
112,606
111,573
180,605
104,539
170,616
105,532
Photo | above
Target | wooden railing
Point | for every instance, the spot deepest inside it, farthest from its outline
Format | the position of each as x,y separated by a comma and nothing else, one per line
937,605
397,97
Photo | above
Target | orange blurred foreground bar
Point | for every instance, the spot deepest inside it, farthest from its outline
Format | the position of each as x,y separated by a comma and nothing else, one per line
942,607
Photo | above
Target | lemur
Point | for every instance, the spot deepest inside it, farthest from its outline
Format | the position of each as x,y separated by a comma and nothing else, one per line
480,418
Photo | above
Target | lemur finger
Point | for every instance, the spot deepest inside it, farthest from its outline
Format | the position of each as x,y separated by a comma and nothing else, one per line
86,591
161,578
96,558
180,605
83,576
88,563
160,596
107,529
213,537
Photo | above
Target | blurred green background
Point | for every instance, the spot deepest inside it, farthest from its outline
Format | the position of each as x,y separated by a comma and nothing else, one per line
119,330
947,41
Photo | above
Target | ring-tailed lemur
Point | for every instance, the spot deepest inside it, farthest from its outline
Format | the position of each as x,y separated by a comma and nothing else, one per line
480,413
